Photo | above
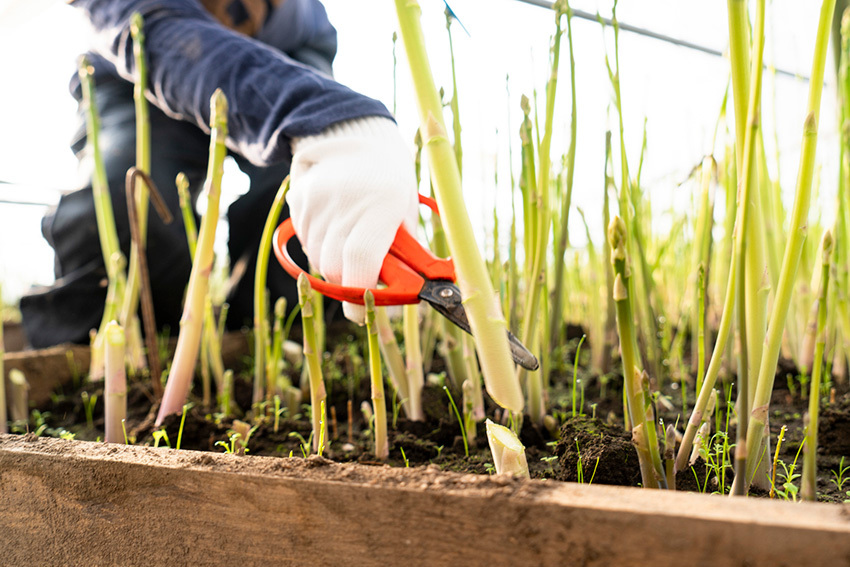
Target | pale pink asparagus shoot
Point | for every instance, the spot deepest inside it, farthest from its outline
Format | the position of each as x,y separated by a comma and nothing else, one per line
189,340
115,406
4,427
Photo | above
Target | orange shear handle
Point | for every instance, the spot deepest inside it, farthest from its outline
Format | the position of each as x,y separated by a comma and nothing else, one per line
404,269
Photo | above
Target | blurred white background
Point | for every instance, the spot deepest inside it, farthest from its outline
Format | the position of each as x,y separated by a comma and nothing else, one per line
677,90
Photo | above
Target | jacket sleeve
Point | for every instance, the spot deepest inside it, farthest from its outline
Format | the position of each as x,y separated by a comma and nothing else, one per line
272,98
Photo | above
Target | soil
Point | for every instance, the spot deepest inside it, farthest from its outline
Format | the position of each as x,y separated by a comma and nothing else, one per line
593,442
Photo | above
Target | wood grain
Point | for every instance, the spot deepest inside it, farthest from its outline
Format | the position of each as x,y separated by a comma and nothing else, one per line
88,504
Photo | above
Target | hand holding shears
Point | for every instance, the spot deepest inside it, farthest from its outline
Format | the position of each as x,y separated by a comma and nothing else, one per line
411,274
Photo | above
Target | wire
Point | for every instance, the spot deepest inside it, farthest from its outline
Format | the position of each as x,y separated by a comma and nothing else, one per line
651,34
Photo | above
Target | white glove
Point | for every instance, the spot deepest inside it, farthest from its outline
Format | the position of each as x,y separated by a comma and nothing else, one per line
351,187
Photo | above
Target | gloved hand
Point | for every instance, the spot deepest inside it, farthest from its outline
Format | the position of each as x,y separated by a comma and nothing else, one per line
351,187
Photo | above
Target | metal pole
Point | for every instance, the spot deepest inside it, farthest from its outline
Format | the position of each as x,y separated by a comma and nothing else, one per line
649,33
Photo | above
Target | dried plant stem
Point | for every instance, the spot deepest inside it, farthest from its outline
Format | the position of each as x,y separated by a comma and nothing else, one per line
142,273
191,323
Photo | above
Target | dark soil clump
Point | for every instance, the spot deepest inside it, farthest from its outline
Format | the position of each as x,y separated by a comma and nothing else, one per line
605,452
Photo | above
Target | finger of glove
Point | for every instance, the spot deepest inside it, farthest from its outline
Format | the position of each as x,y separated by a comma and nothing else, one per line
362,257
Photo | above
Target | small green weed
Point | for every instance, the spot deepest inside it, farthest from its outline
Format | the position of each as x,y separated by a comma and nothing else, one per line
841,476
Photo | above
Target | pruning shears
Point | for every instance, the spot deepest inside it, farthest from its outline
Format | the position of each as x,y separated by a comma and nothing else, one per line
411,274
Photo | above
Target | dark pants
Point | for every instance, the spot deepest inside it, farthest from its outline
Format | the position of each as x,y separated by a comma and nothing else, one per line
67,310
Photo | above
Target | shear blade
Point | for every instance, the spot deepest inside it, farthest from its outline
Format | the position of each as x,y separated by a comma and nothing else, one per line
444,296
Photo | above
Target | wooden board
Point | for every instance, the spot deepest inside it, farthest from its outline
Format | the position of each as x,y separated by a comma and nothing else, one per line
46,369
86,504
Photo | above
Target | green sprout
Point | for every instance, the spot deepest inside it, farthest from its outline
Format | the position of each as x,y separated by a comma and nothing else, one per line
186,408
160,436
459,420
89,401
575,373
841,475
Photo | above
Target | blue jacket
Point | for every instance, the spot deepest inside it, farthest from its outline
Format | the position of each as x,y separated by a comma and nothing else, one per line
273,94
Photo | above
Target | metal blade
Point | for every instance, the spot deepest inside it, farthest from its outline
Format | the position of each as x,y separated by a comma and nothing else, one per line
444,296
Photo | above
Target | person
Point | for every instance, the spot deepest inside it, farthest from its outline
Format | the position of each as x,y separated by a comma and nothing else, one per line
352,174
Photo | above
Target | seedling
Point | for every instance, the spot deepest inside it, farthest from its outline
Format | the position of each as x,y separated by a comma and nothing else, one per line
160,436
580,467
787,477
305,444
89,401
229,446
459,420
575,374
186,408
841,475
278,411
772,477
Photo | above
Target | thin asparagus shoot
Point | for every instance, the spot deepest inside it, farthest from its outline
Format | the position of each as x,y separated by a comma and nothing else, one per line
143,164
187,211
395,363
809,482
415,374
4,425
480,301
306,297
115,386
107,233
191,323
643,430
261,305
793,248
379,405
18,395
